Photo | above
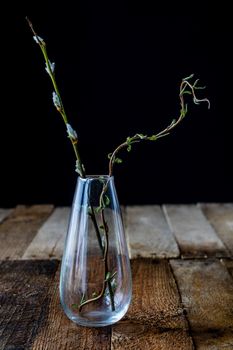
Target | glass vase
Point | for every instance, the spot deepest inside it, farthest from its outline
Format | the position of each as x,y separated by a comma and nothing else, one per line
95,280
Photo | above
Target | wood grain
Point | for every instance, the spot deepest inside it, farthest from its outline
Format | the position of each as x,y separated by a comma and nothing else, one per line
24,301
63,334
207,294
221,218
4,213
18,230
49,241
155,318
194,234
148,233
30,313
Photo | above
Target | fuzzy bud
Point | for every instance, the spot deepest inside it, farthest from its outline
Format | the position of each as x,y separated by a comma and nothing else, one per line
56,101
71,132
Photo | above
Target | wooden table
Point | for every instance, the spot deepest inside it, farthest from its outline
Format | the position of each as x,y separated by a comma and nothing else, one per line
182,280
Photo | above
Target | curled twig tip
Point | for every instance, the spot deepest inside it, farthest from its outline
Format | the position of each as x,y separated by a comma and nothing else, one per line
188,78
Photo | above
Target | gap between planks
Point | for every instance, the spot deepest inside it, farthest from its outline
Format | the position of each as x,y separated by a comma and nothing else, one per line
221,218
148,233
206,290
155,319
195,236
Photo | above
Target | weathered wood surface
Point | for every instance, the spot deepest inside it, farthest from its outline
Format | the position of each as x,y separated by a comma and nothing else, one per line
24,301
30,312
207,293
155,319
19,228
148,233
49,241
194,234
63,334
31,316
221,218
4,213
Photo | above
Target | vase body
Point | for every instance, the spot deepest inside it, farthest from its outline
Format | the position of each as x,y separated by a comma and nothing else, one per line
95,280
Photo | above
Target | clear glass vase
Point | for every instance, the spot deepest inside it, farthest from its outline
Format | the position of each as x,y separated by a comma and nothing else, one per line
95,280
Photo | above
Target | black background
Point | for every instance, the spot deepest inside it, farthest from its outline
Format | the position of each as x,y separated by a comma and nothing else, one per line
119,65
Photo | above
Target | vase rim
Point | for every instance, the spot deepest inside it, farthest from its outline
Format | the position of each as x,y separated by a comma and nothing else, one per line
88,177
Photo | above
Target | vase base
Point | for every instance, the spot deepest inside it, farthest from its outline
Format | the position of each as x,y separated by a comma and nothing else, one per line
96,318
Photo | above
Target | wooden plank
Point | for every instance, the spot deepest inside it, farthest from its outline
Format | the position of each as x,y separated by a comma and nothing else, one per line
63,334
221,218
229,265
24,301
49,241
4,213
207,294
155,319
148,233
194,234
18,230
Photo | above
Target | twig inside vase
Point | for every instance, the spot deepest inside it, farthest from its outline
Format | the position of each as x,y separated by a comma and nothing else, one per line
105,249
97,231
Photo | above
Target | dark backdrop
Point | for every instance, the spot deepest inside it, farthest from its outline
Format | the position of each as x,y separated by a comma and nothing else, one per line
118,65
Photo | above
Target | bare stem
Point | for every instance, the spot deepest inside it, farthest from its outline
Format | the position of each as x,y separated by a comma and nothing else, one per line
60,107
186,87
